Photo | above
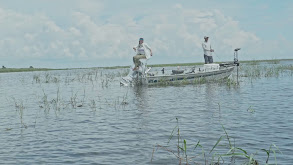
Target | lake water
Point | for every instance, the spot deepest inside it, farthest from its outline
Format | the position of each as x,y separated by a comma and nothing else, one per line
83,116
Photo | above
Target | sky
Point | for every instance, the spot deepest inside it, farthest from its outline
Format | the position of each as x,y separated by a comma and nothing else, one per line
97,33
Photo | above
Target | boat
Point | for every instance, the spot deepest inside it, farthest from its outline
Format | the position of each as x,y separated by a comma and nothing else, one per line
209,72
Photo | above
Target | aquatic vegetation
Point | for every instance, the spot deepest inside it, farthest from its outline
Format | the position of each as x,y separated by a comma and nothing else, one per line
73,100
36,78
231,82
250,109
57,102
19,108
117,103
120,104
234,152
45,102
93,105
259,71
185,81
46,78
164,82
256,62
200,80
104,78
105,83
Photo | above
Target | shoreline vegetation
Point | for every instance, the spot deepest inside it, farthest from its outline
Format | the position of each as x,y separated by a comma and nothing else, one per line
7,70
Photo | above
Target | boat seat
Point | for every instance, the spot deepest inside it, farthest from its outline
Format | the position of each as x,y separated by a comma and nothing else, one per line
177,71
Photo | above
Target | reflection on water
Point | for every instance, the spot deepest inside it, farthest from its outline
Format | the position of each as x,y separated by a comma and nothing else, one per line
141,97
85,117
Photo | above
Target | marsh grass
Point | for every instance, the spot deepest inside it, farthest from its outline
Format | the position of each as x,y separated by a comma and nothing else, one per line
235,152
36,78
46,78
272,61
260,71
90,76
45,102
232,152
56,102
200,80
231,82
94,77
118,103
185,81
76,101
20,109
105,77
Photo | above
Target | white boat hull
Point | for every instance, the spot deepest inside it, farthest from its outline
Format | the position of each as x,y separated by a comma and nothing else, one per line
145,79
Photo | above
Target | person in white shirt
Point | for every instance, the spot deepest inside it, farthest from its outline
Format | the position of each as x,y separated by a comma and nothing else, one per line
141,52
207,50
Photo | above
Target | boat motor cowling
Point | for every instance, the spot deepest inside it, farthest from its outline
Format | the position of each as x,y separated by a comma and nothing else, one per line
236,56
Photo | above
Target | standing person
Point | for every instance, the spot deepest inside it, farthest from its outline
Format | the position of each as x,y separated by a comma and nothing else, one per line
207,49
141,52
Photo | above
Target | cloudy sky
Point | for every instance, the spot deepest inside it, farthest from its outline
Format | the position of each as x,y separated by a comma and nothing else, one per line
90,33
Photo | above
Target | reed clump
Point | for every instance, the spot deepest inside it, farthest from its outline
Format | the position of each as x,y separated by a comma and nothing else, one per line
233,153
20,109
46,78
259,71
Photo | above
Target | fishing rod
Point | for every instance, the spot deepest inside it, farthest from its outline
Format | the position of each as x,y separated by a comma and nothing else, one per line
217,56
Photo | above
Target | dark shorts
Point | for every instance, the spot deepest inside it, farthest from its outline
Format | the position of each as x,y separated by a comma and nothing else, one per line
208,59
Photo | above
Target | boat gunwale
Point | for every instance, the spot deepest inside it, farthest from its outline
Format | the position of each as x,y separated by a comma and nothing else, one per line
198,74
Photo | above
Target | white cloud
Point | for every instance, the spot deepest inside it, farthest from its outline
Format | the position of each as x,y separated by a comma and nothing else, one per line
92,7
177,33
74,31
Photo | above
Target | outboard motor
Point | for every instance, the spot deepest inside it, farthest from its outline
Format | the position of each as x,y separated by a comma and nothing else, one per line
236,62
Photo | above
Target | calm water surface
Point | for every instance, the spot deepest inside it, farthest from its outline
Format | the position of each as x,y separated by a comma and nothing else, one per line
85,117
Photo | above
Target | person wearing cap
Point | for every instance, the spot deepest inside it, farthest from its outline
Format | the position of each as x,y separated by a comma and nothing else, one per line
207,50
141,52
